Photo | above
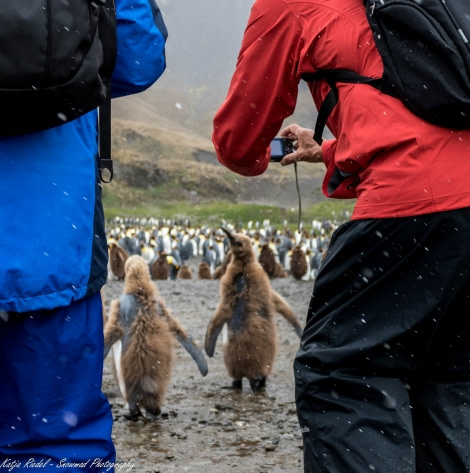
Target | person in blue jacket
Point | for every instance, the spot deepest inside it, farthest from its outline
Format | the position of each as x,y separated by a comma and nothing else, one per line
53,263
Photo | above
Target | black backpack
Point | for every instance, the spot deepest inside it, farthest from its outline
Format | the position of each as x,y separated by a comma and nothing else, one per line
424,45
56,62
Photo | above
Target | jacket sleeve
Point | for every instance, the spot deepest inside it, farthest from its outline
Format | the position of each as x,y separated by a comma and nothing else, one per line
263,90
337,184
141,37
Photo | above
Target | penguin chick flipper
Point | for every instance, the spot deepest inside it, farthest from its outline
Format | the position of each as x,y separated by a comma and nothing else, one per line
115,336
281,306
211,339
113,331
117,352
196,353
221,317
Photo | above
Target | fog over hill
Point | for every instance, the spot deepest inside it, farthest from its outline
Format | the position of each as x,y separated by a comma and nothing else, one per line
202,49
169,126
203,41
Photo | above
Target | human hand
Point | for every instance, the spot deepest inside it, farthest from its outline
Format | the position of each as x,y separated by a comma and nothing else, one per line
307,149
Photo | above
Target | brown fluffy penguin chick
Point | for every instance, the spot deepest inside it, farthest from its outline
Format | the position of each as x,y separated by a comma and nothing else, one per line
298,263
203,271
160,268
117,259
247,305
279,272
185,272
141,323
267,259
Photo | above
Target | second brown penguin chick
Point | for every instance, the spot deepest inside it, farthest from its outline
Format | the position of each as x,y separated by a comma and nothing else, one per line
247,305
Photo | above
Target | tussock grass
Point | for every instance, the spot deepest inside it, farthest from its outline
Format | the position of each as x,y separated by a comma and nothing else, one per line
217,212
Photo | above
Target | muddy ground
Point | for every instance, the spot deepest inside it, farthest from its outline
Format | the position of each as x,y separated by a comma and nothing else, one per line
205,426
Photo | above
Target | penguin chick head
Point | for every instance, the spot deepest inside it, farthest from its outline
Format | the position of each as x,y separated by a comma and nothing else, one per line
136,268
240,246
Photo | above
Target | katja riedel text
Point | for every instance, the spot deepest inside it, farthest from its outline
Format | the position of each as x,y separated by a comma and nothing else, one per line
9,464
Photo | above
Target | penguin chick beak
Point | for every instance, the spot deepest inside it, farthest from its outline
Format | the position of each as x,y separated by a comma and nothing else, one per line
229,235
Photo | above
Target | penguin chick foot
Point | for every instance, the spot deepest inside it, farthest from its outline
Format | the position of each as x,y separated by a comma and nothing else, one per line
152,414
258,384
134,414
237,384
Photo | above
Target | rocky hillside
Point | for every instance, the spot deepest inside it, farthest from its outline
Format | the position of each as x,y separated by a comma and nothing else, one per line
161,137
161,158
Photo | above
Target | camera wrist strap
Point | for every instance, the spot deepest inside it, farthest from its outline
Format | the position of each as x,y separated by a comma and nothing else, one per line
299,215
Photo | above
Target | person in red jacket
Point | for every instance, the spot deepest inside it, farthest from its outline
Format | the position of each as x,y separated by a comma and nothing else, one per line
383,370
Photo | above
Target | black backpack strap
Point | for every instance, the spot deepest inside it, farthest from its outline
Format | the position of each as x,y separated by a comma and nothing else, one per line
105,159
107,31
332,77
326,108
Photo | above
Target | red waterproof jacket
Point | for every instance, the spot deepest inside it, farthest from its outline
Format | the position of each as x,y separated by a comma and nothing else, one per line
401,165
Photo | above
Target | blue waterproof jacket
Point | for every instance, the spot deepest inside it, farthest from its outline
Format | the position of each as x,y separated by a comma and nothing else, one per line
53,247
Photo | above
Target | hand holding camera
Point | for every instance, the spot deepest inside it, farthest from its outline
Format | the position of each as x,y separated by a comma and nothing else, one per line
280,147
305,149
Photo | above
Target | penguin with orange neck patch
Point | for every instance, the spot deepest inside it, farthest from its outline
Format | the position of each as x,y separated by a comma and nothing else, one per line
247,306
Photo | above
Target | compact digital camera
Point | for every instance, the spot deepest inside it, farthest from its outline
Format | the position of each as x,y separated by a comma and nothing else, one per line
280,147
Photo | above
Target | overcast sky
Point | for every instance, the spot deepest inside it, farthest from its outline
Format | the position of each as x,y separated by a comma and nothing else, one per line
204,38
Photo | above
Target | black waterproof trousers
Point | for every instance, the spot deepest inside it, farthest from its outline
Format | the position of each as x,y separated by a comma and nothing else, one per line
383,370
